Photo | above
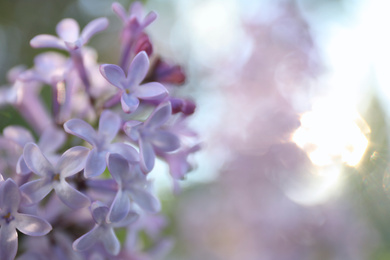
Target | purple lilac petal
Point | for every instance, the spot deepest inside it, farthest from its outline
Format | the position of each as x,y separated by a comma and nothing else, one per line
10,196
118,166
151,90
147,156
18,134
87,240
159,116
129,102
111,242
138,69
99,212
8,242
70,196
72,161
47,41
120,11
131,129
165,141
109,125
145,200
21,166
36,190
68,30
136,9
32,225
127,151
120,207
113,74
95,164
51,140
81,129
92,28
149,18
131,217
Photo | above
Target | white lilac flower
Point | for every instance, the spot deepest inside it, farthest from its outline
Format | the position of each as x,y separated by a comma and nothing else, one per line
53,177
132,186
130,85
152,136
103,231
109,125
11,220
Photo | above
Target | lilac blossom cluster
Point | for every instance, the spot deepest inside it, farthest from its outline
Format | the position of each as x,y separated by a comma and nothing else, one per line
69,193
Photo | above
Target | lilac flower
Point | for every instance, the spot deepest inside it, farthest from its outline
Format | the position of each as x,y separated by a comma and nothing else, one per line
132,37
103,231
70,38
51,139
11,219
151,136
134,18
53,177
132,91
132,185
109,125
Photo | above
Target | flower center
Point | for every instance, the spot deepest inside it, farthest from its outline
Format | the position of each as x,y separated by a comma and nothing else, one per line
127,91
8,218
56,177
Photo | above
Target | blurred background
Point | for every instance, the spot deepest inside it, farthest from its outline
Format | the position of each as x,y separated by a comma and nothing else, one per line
292,110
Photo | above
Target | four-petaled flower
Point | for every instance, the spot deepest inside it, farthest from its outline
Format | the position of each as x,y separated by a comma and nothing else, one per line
53,177
69,32
109,125
132,185
131,87
11,219
151,135
103,231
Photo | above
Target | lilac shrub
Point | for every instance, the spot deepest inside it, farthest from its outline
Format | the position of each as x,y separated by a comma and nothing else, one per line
78,186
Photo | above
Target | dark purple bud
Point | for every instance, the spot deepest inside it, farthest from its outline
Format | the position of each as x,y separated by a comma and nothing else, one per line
185,106
143,44
167,73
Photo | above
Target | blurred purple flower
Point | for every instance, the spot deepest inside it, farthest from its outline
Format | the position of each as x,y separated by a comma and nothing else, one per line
51,140
70,38
53,177
132,185
130,85
151,136
11,220
109,125
103,231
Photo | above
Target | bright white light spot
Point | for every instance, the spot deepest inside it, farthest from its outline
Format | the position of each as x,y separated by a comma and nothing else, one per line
331,133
